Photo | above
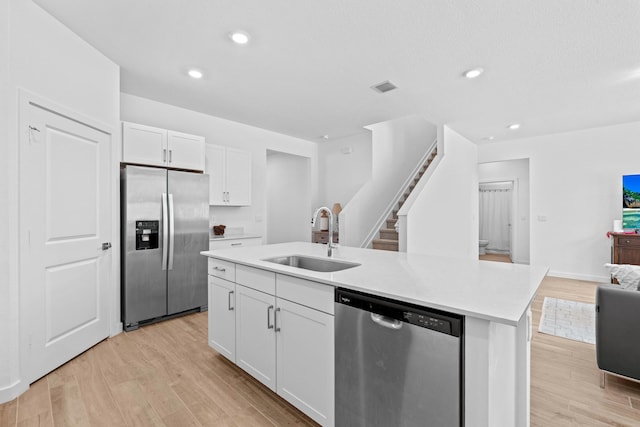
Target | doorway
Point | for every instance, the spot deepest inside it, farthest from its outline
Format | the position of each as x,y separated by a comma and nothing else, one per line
516,172
495,218
288,198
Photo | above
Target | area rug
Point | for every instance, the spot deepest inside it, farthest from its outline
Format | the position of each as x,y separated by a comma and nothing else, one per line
568,319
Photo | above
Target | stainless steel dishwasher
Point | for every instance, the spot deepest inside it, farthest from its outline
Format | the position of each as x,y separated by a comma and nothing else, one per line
397,364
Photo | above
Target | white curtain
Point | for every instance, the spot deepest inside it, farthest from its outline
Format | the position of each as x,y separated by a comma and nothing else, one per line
495,215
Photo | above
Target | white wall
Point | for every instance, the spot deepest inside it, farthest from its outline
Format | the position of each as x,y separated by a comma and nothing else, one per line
231,134
576,191
397,148
518,172
288,198
342,174
443,219
8,285
42,56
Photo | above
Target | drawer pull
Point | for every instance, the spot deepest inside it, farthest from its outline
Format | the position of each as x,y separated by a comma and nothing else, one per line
237,244
221,270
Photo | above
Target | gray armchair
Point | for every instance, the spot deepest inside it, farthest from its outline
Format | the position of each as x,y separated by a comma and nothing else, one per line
618,331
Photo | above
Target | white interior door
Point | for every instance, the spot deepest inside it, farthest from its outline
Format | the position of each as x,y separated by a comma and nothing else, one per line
65,210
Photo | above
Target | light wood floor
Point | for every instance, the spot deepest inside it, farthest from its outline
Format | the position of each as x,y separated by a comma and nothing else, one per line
495,257
165,374
565,380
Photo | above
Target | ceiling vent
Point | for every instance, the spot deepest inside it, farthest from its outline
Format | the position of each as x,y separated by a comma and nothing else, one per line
384,87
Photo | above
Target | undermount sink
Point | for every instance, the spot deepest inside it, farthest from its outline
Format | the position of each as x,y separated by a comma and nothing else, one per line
324,265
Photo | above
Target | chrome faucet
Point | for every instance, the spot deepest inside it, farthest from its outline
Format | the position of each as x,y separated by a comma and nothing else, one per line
330,244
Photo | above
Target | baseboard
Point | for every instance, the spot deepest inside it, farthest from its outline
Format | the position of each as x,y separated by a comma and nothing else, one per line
115,329
583,277
10,392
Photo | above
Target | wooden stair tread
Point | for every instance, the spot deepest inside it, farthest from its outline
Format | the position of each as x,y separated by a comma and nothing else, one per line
388,234
384,243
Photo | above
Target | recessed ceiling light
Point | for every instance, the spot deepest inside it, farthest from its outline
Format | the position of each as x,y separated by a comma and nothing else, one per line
489,138
195,74
325,136
473,73
239,37
514,126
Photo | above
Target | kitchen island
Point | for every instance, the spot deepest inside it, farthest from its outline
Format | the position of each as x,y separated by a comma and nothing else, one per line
495,299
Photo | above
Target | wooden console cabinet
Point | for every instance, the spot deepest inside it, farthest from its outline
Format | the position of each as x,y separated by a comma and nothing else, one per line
323,237
625,248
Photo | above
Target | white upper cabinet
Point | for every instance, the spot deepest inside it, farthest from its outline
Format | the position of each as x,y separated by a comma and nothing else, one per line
144,144
215,167
229,172
185,151
153,146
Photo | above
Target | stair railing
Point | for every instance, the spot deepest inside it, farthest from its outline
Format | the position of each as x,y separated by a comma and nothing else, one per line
401,222
396,199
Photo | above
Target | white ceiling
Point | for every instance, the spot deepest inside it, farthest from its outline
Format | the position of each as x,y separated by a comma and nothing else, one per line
550,65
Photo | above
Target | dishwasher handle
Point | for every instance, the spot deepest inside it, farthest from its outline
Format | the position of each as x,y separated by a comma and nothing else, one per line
385,321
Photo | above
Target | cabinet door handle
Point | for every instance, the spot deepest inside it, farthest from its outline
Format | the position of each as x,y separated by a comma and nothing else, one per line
269,324
229,301
164,155
170,155
221,270
237,244
275,319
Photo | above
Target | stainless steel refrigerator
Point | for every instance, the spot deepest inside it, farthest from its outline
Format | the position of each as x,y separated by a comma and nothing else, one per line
165,225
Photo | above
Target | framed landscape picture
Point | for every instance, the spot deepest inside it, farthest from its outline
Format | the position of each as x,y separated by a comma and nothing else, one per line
631,202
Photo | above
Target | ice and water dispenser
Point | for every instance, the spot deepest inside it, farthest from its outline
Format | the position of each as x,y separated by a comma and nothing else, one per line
147,235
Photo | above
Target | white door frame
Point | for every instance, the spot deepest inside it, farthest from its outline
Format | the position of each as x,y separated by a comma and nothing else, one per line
25,99
515,226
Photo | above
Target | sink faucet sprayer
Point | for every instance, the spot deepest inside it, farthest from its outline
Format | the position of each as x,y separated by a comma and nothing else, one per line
330,244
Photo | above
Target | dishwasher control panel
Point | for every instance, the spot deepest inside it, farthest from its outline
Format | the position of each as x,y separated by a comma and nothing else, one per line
427,321
424,317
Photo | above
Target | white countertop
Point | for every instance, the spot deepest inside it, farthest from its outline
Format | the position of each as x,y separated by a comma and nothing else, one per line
494,291
234,236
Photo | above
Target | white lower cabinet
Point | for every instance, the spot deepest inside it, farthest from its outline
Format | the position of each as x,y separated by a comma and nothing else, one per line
285,345
222,317
305,362
255,337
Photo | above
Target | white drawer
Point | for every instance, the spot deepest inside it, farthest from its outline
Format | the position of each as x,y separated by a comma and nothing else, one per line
255,278
223,269
306,292
233,243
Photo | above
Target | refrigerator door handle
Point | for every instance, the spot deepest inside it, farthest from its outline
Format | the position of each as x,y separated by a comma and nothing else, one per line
171,232
165,231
